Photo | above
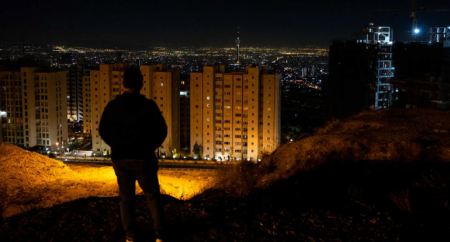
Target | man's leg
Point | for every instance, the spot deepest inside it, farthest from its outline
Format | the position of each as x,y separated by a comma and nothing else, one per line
150,185
127,188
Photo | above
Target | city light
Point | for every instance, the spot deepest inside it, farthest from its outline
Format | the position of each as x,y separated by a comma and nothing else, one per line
416,31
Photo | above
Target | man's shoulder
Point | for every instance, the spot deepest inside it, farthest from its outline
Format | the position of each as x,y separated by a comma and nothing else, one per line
115,100
149,101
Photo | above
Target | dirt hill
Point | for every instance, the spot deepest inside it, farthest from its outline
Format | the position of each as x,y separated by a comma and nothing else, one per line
30,181
388,135
379,176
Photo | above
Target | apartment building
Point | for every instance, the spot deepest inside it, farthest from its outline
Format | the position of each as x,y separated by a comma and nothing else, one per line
235,115
185,127
87,111
74,79
33,107
105,84
160,85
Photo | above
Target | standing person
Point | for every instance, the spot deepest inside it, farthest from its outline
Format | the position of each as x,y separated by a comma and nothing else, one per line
134,128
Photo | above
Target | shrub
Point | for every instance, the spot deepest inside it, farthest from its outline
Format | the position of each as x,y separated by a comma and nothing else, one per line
401,199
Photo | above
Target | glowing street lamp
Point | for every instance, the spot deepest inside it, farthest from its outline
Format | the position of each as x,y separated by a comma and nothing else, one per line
416,31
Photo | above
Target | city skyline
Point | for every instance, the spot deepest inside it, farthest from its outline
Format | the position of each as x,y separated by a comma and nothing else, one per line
143,24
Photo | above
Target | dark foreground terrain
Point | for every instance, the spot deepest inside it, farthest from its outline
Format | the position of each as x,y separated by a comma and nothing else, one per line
356,201
378,176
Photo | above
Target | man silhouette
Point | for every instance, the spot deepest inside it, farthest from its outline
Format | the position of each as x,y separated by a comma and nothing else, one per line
134,128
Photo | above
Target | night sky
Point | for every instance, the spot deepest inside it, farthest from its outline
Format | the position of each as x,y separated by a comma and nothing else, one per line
274,23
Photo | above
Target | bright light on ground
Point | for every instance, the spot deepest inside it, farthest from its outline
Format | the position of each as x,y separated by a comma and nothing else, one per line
178,184
47,182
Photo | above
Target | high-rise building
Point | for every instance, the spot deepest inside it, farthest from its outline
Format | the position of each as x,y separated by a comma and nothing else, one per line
304,71
75,92
87,110
160,85
235,115
185,127
105,85
422,74
33,107
360,73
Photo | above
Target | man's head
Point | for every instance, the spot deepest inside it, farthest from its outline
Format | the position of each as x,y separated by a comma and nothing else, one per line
133,80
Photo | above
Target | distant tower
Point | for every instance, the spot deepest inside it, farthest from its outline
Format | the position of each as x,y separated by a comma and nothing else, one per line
238,41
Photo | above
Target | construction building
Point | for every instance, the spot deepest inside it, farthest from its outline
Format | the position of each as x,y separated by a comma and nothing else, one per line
373,72
33,107
160,85
360,73
74,78
234,115
422,74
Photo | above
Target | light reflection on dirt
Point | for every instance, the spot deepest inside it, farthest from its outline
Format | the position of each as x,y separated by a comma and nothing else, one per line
100,181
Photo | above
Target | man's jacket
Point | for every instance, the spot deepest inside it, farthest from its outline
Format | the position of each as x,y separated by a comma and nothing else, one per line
133,126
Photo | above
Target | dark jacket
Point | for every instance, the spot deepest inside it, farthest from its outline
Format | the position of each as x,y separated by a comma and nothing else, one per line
133,126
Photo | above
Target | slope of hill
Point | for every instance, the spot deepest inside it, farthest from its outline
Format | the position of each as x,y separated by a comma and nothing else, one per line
29,181
379,176
388,135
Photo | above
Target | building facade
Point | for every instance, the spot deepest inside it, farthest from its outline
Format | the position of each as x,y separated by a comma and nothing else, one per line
185,132
235,115
87,110
360,73
74,81
160,85
33,107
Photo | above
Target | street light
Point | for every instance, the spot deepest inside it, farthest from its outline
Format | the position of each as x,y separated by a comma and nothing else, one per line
416,31
57,148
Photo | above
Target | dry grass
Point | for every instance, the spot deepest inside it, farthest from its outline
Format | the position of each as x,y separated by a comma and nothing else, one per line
401,199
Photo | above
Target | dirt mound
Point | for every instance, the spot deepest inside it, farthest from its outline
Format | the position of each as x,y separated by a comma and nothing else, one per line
22,168
387,135
30,181
23,174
